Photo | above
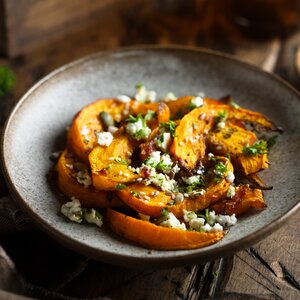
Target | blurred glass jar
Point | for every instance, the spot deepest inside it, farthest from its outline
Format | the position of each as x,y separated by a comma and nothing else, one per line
263,18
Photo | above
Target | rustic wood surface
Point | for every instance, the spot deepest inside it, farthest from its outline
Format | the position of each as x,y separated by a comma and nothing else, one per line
268,270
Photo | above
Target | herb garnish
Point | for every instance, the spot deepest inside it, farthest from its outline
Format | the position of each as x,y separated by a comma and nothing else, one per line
164,212
169,126
120,186
259,147
121,160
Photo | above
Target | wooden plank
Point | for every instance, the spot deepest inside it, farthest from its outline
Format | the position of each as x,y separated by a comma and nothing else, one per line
31,23
269,269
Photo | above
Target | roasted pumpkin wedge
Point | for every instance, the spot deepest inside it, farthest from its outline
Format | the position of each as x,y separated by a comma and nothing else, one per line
81,136
157,237
74,181
244,199
189,147
109,165
232,140
150,200
183,105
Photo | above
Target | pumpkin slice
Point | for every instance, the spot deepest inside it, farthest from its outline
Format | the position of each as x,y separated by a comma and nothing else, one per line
68,172
157,237
150,200
181,106
231,140
81,136
110,164
188,146
244,199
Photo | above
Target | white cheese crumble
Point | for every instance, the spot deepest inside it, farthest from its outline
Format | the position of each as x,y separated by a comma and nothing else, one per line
213,223
162,162
230,177
221,125
104,138
144,217
72,210
94,217
210,155
123,98
231,191
144,95
173,222
138,130
196,101
192,179
169,97
178,198
84,178
164,141
84,132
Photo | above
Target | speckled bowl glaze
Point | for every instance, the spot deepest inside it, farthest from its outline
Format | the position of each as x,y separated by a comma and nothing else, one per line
37,127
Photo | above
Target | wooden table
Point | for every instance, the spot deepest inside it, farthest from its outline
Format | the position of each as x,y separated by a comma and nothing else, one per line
268,270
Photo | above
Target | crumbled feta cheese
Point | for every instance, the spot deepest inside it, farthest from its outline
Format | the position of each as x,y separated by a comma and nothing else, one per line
84,178
175,169
94,217
173,222
206,228
123,98
163,181
138,130
169,97
192,179
112,129
210,155
201,94
72,210
189,215
196,223
211,220
196,101
230,177
154,158
84,132
221,125
217,227
226,220
104,138
144,95
166,162
231,191
164,141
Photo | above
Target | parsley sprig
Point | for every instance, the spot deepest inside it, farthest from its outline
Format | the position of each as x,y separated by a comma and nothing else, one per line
169,126
258,148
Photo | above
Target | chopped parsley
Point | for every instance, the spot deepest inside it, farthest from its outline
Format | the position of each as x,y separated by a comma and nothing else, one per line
169,126
234,104
139,85
259,147
221,117
120,186
220,170
121,160
164,212
137,126
149,115
135,194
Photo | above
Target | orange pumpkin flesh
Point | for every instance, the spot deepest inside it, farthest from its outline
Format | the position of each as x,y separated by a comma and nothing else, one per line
157,237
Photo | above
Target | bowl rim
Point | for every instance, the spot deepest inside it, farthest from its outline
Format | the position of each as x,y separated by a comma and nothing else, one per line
130,261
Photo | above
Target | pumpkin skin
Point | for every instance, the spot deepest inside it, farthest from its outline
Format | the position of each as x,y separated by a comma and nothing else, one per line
88,196
157,237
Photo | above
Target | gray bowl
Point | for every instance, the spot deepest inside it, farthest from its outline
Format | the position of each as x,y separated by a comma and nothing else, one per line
37,127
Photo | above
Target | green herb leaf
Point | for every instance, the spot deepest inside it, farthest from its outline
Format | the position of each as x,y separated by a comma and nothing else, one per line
221,117
135,194
149,115
164,212
121,160
259,147
7,80
139,85
120,186
169,126
234,104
